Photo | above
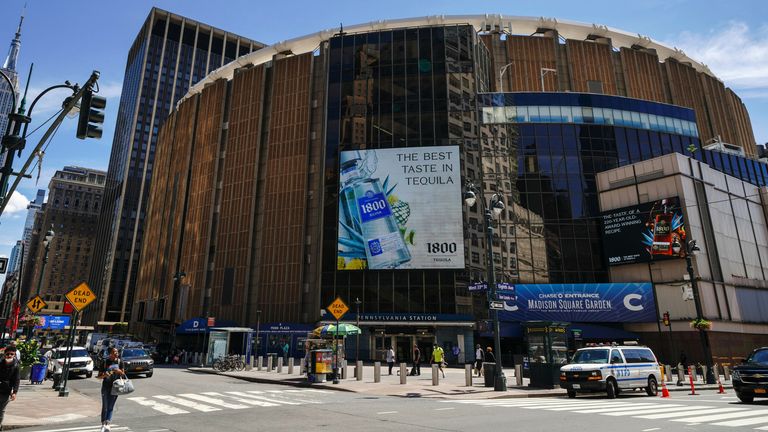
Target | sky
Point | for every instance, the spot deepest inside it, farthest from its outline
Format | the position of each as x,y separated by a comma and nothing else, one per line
66,40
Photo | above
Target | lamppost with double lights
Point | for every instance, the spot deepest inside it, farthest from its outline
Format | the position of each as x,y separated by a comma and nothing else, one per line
544,72
47,245
690,249
357,337
501,76
491,210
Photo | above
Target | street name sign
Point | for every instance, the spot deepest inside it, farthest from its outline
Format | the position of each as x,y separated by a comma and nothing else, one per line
499,305
338,308
36,304
81,296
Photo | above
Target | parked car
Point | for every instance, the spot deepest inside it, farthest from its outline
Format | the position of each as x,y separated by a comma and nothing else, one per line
136,361
80,362
750,378
611,369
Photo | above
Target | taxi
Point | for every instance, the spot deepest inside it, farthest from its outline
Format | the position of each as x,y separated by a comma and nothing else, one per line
611,369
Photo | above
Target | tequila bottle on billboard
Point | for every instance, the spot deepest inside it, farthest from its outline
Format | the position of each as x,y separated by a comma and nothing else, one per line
365,201
662,233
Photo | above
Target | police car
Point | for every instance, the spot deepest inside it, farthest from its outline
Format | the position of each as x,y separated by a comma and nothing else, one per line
611,369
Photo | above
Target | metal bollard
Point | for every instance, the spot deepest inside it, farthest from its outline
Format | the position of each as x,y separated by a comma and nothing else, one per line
667,373
519,375
249,364
359,370
468,375
703,374
680,374
377,372
259,361
727,372
269,363
290,366
403,373
435,375
302,365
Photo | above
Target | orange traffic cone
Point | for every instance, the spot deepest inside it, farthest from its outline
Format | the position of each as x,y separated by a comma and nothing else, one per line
664,391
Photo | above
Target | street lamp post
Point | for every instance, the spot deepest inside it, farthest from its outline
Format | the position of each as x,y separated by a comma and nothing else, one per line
177,277
47,245
691,248
501,76
258,336
494,208
357,337
544,72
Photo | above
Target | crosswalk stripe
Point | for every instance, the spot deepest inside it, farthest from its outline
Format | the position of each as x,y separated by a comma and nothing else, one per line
286,402
657,410
744,422
579,406
212,400
158,406
253,402
87,429
684,413
188,403
610,410
246,398
710,418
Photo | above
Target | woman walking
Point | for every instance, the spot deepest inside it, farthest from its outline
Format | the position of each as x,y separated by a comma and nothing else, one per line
109,372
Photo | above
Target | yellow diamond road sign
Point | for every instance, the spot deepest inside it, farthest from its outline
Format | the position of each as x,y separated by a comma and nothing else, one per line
338,308
36,304
81,296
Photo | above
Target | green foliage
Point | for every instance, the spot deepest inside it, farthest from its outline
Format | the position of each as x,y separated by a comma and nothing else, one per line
701,324
30,352
121,327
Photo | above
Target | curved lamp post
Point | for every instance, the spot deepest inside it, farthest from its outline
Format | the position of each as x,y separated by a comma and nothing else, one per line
690,249
491,209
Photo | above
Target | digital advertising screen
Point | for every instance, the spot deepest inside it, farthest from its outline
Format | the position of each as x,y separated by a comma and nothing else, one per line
646,232
400,209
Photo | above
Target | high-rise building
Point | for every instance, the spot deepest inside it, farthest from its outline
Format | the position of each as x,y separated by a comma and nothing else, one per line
33,208
7,94
74,201
13,260
170,54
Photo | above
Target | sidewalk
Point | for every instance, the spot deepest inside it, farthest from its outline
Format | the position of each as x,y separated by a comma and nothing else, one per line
453,386
39,404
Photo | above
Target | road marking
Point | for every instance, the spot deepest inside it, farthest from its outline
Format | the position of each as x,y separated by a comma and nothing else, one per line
188,403
387,412
623,408
592,407
264,398
158,430
255,399
659,410
709,418
684,413
87,429
158,406
744,422
245,400
443,409
644,430
212,400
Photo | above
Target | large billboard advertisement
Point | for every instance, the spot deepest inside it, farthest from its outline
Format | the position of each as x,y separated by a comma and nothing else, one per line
646,232
400,209
601,302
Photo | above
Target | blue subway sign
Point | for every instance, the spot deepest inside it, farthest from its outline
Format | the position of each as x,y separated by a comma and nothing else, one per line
605,302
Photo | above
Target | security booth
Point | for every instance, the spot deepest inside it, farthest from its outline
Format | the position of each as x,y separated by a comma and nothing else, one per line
223,341
547,343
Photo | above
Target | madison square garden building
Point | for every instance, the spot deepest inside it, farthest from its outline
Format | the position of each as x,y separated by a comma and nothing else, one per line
334,165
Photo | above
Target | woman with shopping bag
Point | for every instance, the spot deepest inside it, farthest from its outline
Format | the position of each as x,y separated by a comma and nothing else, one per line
110,372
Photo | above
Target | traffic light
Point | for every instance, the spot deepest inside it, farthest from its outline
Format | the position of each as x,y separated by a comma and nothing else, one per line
91,115
665,319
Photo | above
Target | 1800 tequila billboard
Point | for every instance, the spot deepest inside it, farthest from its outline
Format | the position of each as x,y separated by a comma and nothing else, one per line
400,209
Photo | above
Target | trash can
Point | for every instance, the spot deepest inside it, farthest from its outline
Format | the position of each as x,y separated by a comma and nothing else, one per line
38,373
489,373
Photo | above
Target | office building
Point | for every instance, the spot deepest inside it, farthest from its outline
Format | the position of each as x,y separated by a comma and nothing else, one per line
170,53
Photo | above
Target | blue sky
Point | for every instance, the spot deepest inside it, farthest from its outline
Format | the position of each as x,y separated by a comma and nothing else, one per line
66,40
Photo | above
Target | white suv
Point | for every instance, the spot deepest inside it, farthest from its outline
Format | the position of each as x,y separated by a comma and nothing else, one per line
611,369
79,364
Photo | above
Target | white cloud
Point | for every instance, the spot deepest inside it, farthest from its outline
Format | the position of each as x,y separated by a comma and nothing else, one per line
736,53
18,203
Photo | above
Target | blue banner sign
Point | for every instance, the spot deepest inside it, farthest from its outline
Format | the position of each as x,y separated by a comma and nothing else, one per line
478,286
54,322
607,302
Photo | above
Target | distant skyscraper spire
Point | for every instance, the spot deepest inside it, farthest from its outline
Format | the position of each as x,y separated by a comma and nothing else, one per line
13,51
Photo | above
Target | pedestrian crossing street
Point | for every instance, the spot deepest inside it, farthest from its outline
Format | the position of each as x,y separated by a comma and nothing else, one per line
727,415
206,402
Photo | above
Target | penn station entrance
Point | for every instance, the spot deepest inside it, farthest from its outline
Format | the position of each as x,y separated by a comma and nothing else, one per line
403,331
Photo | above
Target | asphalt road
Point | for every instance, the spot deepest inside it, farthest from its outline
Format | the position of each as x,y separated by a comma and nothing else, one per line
177,400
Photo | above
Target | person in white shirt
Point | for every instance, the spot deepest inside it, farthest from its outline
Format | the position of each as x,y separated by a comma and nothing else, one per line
390,359
479,360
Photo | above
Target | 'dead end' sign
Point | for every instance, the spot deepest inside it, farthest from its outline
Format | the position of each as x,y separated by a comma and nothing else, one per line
81,296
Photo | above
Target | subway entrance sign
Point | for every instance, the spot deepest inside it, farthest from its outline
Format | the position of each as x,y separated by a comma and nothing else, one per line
81,296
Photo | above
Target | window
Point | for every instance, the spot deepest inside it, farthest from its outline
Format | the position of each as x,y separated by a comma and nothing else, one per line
639,355
595,87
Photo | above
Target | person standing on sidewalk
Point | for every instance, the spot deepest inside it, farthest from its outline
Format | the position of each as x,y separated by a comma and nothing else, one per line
416,360
479,360
390,359
438,356
9,380
109,372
